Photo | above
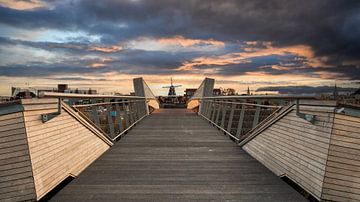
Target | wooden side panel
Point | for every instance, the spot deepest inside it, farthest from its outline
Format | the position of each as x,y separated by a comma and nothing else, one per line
16,180
342,177
296,148
58,148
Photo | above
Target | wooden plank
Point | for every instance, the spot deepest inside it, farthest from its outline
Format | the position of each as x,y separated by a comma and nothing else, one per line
5,129
10,116
322,144
342,194
14,162
347,118
155,162
295,161
11,122
304,178
40,107
297,147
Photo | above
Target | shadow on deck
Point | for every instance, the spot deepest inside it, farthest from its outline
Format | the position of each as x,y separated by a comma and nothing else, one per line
172,155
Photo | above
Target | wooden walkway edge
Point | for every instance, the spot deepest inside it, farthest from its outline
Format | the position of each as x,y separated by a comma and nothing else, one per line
175,155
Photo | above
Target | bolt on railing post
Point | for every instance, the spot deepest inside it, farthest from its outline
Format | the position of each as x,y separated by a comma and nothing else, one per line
233,105
241,121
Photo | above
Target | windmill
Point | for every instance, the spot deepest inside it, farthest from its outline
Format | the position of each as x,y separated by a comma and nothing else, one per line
171,88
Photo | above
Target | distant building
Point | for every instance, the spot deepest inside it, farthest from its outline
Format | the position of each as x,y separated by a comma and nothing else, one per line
189,92
23,93
81,91
62,88
217,92
26,93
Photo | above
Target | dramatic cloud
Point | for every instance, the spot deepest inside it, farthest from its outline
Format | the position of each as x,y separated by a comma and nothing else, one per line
315,40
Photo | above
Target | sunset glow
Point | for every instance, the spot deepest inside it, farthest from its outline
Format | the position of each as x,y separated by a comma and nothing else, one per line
104,45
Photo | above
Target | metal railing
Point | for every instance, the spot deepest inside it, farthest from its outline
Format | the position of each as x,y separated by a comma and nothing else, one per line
235,118
112,115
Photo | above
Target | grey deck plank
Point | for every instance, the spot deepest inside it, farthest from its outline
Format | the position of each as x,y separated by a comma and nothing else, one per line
174,155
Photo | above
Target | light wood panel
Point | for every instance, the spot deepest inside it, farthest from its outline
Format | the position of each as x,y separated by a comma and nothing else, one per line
61,147
296,148
342,177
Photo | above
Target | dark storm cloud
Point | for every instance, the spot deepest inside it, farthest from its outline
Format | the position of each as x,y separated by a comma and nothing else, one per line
305,89
330,27
261,64
43,69
77,78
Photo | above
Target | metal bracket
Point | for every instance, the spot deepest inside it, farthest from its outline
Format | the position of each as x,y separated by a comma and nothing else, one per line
47,117
308,117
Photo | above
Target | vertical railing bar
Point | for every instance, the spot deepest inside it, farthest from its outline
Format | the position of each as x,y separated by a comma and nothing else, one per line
208,108
118,114
257,114
213,104
95,116
218,114
136,110
125,115
231,116
208,112
241,120
224,110
110,121
131,110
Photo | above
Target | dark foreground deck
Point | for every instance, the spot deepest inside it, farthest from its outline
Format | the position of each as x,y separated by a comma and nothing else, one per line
176,155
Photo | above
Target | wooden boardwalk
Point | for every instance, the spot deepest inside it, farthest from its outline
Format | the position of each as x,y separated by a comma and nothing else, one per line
175,155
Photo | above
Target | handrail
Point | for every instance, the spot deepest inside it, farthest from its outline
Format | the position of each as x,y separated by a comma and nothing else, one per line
287,96
121,114
73,95
248,104
105,103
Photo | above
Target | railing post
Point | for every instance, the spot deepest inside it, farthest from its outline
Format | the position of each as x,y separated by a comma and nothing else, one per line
125,115
257,114
213,104
131,115
208,109
241,120
110,121
223,115
95,116
233,105
118,114
217,114
136,116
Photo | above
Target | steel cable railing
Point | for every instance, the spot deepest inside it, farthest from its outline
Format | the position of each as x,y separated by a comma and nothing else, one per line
235,118
112,115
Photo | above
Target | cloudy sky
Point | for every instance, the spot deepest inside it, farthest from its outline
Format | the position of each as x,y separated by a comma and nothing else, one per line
267,45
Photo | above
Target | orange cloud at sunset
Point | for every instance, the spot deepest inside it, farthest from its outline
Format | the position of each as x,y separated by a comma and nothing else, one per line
185,42
250,52
106,49
22,5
